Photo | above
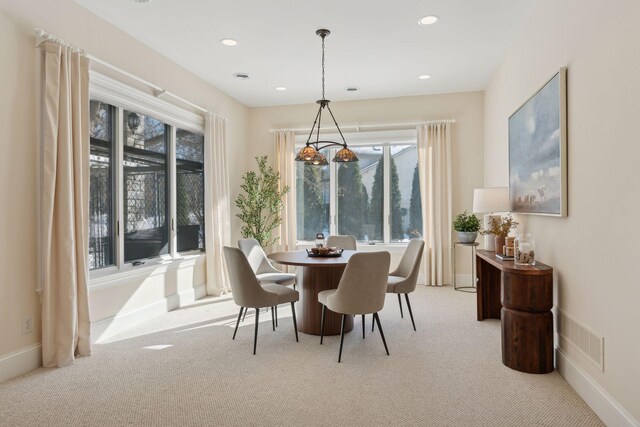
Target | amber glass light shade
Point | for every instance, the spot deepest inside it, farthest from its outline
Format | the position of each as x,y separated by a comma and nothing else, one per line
345,155
317,160
307,154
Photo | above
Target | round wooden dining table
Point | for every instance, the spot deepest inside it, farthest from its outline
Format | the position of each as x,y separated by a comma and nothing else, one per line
316,274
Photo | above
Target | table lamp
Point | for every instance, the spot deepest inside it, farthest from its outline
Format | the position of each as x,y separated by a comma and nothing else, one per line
487,201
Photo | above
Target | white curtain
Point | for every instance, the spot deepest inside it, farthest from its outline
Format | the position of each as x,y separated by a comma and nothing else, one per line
216,203
64,203
434,166
286,166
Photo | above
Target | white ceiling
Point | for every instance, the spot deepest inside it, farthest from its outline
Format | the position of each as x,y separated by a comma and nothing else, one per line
375,45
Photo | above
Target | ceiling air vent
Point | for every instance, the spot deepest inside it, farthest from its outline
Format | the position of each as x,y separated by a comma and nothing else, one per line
241,76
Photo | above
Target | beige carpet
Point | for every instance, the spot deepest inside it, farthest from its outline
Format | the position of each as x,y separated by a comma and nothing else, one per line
184,369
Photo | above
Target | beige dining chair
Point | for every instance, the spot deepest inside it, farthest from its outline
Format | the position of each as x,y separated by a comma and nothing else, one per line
403,279
361,291
343,241
263,269
248,293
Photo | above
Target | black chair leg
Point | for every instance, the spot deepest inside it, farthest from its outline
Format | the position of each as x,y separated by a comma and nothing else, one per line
344,318
237,323
276,316
255,335
273,320
324,308
245,314
363,326
375,316
373,322
400,302
295,324
406,296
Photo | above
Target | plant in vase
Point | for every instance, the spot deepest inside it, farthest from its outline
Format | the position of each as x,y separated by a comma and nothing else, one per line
501,227
262,203
467,225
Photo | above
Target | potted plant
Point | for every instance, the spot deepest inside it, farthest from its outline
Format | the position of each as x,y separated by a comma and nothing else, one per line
261,204
501,227
467,225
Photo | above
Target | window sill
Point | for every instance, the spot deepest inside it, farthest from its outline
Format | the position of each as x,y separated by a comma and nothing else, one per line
112,276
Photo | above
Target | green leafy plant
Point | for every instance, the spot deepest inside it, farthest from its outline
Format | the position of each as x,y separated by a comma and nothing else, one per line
262,203
501,226
466,222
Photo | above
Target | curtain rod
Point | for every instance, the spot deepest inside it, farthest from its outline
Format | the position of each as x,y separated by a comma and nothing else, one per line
358,128
158,92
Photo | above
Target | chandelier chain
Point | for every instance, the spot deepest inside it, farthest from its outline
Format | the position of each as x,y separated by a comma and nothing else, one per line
323,67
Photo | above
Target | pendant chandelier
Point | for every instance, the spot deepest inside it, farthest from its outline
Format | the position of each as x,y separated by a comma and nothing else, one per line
310,153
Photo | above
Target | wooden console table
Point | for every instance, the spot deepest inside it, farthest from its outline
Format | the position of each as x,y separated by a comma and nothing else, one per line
522,296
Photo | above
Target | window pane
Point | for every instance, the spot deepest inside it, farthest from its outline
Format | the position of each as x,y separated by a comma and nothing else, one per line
190,190
312,199
145,187
405,208
360,195
101,236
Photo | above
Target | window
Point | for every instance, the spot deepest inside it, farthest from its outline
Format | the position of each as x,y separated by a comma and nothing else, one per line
101,218
133,210
377,199
146,234
190,190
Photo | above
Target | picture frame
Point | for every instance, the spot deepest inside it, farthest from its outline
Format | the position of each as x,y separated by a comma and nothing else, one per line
538,151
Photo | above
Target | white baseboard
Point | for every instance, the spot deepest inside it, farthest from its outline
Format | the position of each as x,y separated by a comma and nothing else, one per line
20,362
607,408
107,328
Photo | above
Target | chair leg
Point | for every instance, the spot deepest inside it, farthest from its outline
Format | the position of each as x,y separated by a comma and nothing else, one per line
255,335
245,314
375,316
363,326
344,318
276,316
406,296
400,302
373,322
295,324
237,323
324,308
273,320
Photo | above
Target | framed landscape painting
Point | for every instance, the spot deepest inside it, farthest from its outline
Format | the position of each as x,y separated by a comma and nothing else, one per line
538,151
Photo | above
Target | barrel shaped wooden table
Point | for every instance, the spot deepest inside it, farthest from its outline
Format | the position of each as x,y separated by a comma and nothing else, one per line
525,310
316,275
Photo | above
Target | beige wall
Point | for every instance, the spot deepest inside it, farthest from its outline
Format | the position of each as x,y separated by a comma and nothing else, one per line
18,253
594,249
467,133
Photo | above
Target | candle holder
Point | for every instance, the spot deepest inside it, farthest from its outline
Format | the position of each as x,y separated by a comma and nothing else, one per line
524,250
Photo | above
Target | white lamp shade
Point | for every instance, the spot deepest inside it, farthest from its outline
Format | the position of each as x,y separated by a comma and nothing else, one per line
487,200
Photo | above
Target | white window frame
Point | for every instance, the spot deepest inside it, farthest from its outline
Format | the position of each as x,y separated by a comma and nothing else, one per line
121,96
386,139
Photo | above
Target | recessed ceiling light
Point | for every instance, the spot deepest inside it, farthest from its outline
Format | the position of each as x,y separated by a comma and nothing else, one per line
352,89
142,1
241,76
228,42
424,77
281,88
428,20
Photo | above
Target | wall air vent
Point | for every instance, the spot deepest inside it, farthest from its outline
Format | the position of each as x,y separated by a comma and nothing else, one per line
590,344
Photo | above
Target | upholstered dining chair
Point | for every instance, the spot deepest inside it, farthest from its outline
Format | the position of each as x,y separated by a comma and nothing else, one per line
344,241
403,279
262,268
361,291
248,293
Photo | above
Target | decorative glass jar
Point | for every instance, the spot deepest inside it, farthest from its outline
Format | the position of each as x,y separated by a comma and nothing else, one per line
320,240
524,250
